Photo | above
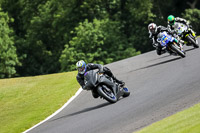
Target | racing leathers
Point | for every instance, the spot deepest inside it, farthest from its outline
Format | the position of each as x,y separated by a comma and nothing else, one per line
153,36
105,70
182,21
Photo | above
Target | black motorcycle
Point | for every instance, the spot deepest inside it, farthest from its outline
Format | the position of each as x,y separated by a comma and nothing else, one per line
106,87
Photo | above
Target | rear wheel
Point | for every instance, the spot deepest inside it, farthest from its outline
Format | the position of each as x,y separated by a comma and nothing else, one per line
193,41
126,92
107,94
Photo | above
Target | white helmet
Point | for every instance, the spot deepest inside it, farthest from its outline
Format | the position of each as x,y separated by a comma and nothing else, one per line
152,27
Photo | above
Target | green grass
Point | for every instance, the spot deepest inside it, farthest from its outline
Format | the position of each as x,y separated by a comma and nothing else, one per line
25,102
187,121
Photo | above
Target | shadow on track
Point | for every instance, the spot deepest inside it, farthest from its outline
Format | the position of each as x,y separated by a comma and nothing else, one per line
84,110
170,55
190,49
159,58
167,61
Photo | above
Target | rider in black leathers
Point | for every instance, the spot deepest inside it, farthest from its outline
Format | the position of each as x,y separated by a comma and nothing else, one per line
83,67
154,30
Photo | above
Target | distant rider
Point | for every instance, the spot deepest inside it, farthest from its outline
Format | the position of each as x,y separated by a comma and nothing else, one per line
154,30
172,22
82,68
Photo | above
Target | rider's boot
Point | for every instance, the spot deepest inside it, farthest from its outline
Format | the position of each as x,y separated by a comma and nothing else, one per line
95,94
119,81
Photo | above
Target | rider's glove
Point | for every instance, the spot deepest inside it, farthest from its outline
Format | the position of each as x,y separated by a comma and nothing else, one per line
187,24
170,32
155,44
101,71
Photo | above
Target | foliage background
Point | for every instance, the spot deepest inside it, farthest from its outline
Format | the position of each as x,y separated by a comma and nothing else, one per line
50,36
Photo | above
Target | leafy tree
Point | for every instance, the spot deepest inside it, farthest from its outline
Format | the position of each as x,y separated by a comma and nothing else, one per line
40,43
138,18
103,30
193,15
99,41
8,56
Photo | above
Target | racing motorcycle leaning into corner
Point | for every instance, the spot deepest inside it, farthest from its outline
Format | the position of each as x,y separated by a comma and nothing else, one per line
185,34
171,44
105,86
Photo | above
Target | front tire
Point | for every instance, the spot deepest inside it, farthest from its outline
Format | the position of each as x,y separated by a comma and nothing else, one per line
107,94
178,51
126,92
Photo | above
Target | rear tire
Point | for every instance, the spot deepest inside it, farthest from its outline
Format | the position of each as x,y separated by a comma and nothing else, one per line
193,42
179,52
126,92
109,96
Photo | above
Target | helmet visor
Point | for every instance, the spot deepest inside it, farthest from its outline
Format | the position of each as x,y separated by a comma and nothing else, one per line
152,30
81,70
171,22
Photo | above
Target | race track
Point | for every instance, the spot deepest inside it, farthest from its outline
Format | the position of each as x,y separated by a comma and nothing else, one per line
160,86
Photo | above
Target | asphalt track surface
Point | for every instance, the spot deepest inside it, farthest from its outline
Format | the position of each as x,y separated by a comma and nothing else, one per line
160,86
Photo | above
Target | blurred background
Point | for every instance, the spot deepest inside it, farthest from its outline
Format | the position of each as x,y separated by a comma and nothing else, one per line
49,36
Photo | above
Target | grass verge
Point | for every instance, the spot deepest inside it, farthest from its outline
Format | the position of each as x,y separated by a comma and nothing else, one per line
25,102
187,121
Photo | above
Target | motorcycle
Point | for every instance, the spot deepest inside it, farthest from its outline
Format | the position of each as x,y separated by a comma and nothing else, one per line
106,87
184,33
170,43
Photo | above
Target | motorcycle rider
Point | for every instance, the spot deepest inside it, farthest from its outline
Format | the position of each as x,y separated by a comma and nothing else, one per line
154,30
172,21
82,68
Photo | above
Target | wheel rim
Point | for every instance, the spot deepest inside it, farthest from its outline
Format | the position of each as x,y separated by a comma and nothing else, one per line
109,93
125,89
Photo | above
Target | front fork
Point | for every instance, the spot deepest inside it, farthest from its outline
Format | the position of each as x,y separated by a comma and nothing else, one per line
178,44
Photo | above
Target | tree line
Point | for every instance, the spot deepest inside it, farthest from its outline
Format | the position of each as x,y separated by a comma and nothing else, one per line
49,36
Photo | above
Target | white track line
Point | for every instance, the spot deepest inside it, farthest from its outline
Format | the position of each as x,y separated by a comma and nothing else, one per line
55,113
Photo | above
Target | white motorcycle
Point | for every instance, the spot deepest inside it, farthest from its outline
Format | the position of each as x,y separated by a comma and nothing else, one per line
185,34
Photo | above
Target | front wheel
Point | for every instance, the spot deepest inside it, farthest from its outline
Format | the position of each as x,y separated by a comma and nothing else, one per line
178,51
107,94
193,41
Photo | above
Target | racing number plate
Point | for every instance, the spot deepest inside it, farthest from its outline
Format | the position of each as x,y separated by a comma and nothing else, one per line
164,39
